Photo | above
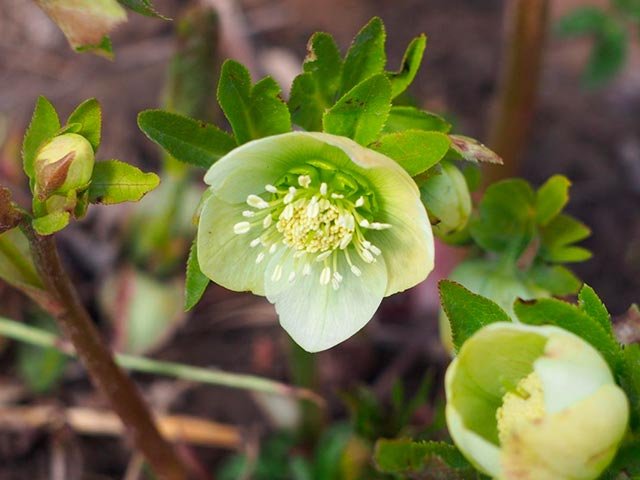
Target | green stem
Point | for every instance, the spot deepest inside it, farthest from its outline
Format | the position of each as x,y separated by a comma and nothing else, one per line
108,378
41,338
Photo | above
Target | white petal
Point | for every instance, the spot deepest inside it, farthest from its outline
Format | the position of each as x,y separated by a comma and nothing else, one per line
318,316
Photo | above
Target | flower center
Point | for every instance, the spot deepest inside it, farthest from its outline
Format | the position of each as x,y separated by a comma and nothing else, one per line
523,406
320,223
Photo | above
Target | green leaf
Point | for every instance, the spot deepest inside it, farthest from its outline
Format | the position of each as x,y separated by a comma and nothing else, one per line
473,151
411,61
608,56
590,303
555,279
253,111
361,113
551,198
626,464
10,216
366,56
415,150
315,90
196,282
505,220
581,21
44,125
51,223
434,459
467,311
558,236
89,116
114,181
143,7
41,368
630,380
186,139
629,7
410,118
103,48
550,311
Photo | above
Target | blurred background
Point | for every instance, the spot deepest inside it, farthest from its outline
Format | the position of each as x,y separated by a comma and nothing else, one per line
133,289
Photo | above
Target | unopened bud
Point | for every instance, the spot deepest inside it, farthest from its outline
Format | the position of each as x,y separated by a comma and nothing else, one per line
63,164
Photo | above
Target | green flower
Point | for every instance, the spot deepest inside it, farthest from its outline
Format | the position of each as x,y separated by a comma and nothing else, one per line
322,226
530,402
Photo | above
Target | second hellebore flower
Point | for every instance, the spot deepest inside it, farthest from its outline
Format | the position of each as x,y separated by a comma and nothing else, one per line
537,403
322,226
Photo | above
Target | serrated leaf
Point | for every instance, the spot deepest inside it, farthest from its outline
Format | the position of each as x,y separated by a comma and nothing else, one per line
196,282
630,380
114,181
407,457
551,198
608,55
581,21
315,90
505,220
86,23
366,56
555,279
88,115
473,151
51,223
411,61
590,303
361,113
558,236
253,111
550,311
415,150
10,216
185,139
410,118
467,311
143,7
44,125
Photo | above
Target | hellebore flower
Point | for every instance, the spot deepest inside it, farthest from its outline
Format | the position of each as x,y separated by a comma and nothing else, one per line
322,226
63,164
534,402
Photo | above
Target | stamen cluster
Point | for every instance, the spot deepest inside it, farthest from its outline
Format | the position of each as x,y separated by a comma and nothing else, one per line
316,222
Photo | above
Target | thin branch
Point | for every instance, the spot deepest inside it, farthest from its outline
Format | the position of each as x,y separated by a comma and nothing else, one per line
109,379
526,26
41,338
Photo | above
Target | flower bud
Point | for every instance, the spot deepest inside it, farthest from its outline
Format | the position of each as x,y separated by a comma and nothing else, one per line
503,284
63,164
534,402
447,198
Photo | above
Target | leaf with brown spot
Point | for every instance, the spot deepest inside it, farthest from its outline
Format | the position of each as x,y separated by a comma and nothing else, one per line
86,23
473,151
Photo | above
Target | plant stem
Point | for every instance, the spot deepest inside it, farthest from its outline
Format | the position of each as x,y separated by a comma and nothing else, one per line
41,338
526,25
107,377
